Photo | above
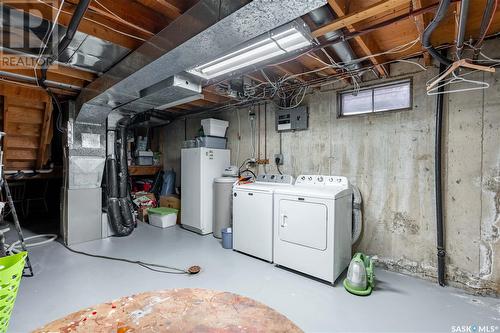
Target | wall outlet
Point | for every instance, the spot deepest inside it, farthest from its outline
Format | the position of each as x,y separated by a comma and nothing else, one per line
263,161
278,159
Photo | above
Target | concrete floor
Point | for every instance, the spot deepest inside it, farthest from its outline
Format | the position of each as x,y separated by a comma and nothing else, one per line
66,282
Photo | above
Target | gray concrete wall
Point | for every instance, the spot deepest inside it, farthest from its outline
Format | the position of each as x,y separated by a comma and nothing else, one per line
390,157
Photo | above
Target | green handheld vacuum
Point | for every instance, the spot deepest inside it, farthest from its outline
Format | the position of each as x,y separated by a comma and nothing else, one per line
360,277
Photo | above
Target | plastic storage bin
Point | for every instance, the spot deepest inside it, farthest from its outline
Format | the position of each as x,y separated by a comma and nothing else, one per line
215,142
214,127
11,271
145,158
162,217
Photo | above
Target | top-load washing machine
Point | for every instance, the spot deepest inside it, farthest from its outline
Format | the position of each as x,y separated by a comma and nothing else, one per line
253,215
312,229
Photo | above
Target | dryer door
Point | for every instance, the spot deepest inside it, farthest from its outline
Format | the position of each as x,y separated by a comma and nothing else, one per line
303,223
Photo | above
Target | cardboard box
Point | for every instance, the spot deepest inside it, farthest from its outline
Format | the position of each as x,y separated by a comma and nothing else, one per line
142,214
172,201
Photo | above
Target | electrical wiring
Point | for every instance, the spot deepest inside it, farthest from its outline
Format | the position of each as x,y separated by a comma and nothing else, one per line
16,246
59,111
150,266
412,62
270,88
250,172
123,20
239,135
45,41
98,23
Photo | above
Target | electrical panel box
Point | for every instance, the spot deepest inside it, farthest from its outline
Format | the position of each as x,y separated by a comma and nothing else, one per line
292,119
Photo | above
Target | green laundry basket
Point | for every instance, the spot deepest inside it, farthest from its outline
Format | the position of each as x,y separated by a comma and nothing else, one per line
11,271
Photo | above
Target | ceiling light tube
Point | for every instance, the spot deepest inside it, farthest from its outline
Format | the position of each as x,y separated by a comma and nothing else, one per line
286,39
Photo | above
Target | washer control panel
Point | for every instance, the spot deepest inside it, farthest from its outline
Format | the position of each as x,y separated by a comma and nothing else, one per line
322,180
274,178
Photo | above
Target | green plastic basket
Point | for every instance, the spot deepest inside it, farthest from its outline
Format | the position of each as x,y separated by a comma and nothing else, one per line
11,272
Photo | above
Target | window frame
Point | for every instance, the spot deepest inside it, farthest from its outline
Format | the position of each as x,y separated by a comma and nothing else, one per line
373,87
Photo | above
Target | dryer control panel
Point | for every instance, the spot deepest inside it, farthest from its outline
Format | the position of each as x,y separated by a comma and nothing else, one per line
275,178
322,180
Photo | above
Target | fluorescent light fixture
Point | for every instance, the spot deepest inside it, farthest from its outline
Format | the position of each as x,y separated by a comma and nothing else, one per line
180,101
283,40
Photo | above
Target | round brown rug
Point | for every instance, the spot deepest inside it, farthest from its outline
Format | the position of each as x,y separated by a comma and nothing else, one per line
176,310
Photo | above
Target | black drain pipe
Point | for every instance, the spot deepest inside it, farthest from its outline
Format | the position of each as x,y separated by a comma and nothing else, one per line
77,17
426,35
72,28
441,253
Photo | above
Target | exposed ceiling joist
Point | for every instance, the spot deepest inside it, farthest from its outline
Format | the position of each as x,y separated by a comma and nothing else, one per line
359,15
163,7
362,42
133,12
421,23
27,62
93,24
51,76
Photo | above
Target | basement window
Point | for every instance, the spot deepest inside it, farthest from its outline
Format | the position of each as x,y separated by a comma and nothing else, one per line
380,98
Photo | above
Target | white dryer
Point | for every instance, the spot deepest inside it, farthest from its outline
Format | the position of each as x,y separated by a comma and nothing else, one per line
253,215
313,222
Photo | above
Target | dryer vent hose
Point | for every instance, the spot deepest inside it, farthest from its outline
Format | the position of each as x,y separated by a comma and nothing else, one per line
357,215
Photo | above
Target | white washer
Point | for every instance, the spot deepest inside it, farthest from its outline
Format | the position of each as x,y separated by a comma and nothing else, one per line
253,215
312,229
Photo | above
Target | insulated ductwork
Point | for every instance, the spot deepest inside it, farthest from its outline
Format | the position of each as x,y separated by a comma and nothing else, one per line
207,30
357,214
118,195
343,50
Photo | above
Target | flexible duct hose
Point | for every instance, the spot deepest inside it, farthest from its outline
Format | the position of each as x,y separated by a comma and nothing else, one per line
111,178
121,148
115,218
426,36
357,214
119,206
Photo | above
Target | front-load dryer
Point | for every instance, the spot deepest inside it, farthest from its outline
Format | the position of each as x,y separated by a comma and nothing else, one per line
253,215
312,229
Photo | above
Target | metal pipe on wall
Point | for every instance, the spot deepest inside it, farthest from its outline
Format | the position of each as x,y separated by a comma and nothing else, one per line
489,12
342,49
426,36
32,80
462,25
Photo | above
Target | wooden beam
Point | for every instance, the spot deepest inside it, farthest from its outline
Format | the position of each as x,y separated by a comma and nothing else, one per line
213,97
92,24
28,62
51,76
23,92
45,136
362,42
420,25
359,16
132,13
164,7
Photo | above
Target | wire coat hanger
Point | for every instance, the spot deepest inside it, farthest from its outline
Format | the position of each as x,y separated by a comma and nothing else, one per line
434,86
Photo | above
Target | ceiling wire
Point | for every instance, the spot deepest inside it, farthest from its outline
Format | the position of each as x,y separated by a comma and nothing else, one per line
122,19
99,23
46,40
